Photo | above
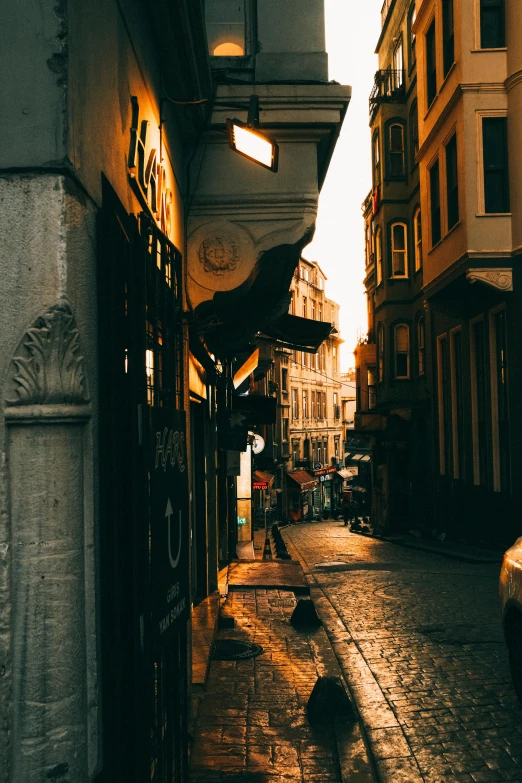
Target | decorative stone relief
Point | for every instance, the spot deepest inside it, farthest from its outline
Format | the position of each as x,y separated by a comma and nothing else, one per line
219,254
48,367
501,279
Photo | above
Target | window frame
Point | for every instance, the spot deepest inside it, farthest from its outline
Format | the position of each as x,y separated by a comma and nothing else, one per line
501,43
481,185
381,348
455,187
407,352
431,62
413,119
400,153
448,36
417,240
404,251
435,210
412,37
378,256
376,160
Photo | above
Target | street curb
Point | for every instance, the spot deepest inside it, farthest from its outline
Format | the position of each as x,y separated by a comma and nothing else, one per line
356,759
375,713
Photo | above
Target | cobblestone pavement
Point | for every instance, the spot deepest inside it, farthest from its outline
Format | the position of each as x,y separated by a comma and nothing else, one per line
252,725
420,643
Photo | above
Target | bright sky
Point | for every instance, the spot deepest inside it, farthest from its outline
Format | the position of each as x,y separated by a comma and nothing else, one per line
352,31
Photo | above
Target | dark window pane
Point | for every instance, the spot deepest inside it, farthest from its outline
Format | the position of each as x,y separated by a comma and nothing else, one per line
431,66
496,184
492,24
448,38
435,203
452,183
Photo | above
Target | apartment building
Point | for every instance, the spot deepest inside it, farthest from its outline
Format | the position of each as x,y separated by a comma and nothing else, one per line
309,404
391,386
456,358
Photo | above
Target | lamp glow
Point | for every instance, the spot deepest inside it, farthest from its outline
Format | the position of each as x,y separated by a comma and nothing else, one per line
252,144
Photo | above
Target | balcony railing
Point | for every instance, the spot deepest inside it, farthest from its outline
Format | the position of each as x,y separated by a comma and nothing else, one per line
388,87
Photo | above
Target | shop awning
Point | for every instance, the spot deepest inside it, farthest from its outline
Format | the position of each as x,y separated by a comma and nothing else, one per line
300,334
345,473
366,458
356,457
263,478
304,479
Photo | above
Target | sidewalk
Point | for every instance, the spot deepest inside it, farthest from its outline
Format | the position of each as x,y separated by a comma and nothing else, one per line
252,725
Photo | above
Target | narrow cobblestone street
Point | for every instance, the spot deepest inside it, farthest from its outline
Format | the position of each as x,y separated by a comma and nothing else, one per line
420,643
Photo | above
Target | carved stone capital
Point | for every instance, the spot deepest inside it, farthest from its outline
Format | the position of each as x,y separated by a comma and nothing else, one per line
501,279
47,368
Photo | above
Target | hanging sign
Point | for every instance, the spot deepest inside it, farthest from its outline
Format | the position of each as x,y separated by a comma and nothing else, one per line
169,523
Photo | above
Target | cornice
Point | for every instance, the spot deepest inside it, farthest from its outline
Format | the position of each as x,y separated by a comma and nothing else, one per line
460,89
512,80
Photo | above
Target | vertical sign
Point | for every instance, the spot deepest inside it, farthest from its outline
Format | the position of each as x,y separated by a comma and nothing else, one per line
169,525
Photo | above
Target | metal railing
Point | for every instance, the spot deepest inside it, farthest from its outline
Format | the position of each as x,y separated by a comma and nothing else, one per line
388,87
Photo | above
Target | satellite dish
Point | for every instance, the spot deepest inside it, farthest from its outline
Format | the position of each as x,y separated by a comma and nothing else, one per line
258,443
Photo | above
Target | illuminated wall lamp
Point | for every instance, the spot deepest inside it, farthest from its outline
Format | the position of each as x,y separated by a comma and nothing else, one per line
245,139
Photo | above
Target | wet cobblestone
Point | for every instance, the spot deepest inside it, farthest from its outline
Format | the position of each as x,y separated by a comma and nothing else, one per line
420,642
252,725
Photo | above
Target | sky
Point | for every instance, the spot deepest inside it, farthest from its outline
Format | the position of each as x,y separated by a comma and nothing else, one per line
352,31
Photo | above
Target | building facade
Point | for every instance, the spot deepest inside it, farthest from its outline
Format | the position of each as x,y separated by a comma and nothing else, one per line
392,401
309,403
452,344
138,248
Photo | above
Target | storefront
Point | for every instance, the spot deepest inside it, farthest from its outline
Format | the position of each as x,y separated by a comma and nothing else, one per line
325,502
300,492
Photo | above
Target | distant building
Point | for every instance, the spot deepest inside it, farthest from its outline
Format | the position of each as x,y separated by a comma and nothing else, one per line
310,430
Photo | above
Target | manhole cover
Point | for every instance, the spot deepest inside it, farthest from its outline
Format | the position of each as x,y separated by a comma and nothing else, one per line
234,650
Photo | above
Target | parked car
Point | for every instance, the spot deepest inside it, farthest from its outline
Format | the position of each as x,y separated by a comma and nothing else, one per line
510,590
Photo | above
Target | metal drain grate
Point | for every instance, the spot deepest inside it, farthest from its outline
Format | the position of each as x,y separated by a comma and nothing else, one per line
234,650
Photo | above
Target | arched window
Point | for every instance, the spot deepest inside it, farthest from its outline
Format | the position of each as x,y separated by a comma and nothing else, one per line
414,132
420,345
402,351
378,256
376,161
380,352
228,49
226,27
417,238
396,166
399,250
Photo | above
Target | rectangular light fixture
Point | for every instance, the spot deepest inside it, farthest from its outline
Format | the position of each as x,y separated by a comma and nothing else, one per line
252,144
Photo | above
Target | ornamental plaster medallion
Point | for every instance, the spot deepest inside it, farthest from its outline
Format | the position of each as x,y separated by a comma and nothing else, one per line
48,367
221,255
501,279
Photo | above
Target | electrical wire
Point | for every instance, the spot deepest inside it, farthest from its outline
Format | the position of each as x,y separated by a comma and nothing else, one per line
195,102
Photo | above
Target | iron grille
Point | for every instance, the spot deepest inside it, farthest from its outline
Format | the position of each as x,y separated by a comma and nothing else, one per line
388,87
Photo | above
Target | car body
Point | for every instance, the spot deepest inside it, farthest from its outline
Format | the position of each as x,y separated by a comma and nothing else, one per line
510,591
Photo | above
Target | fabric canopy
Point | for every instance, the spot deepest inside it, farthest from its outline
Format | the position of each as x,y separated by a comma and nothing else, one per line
304,479
300,334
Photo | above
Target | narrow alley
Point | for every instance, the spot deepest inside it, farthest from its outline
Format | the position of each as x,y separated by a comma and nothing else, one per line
421,646
416,637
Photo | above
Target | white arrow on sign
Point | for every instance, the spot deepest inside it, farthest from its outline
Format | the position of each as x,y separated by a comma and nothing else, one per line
168,513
